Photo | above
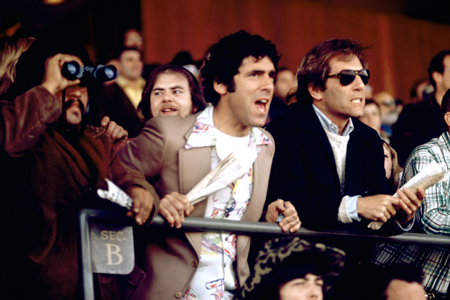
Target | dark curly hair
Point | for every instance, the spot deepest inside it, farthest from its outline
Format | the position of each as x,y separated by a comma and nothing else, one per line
224,58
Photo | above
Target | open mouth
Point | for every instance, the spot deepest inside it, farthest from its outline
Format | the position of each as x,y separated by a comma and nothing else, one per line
358,100
168,110
261,105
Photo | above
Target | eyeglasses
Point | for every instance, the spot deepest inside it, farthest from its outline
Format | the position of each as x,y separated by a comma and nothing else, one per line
348,76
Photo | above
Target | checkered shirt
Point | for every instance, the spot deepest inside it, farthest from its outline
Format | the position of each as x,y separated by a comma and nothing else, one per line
433,217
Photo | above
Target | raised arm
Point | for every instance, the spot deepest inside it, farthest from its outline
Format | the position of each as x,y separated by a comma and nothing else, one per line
25,119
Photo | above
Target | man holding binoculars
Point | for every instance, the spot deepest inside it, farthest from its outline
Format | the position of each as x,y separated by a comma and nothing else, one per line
52,165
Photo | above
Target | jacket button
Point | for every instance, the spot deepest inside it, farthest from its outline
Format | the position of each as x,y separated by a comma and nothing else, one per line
366,191
178,295
194,263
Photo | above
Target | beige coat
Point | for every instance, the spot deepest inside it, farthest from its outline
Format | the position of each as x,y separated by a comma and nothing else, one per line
171,257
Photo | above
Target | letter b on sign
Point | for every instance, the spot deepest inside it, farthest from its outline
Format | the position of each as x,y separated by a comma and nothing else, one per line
112,249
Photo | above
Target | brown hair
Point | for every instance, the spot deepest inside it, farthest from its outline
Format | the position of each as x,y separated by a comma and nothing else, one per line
314,66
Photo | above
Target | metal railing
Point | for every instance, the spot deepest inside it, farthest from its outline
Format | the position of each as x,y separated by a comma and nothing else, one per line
239,227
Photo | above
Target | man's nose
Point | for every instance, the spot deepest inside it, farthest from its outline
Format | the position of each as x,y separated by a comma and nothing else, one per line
315,291
74,92
359,84
268,83
167,97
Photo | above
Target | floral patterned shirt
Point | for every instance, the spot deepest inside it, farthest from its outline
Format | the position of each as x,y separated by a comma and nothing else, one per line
215,277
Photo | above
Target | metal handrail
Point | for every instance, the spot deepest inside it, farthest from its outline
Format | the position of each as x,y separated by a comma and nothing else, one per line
239,227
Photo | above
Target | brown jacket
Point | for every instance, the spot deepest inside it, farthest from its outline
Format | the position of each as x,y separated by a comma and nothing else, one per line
170,258
45,181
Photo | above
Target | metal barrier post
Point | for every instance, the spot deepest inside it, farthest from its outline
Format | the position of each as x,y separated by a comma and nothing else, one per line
87,216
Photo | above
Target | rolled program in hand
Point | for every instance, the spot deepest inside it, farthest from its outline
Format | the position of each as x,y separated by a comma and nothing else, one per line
231,168
429,176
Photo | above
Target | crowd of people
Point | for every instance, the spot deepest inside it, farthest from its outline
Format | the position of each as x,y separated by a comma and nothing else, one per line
319,153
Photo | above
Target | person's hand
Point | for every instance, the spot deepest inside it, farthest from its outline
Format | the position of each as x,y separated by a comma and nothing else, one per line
113,130
142,204
290,222
53,81
378,207
117,134
174,207
409,203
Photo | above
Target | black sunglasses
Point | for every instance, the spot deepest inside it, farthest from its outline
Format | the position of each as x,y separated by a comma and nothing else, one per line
348,76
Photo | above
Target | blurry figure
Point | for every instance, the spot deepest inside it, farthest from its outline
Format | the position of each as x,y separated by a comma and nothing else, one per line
418,90
399,104
391,166
133,39
291,96
170,91
12,24
420,122
369,91
9,56
119,100
284,81
184,59
389,114
372,115
372,118
291,268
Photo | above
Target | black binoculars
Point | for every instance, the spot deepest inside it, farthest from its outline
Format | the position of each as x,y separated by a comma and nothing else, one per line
72,70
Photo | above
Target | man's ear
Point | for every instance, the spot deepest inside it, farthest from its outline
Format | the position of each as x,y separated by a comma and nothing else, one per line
316,92
437,77
220,88
447,119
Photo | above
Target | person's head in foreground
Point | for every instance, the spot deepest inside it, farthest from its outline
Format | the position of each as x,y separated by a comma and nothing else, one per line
396,282
171,91
293,269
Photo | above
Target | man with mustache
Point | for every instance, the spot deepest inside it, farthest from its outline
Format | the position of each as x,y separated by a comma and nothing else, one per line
52,164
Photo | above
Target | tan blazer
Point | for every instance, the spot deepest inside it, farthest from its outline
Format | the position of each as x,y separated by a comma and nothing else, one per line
171,257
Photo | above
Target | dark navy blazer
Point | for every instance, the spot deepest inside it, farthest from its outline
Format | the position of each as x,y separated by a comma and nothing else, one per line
304,170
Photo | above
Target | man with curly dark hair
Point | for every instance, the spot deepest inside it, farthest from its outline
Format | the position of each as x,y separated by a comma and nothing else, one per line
175,153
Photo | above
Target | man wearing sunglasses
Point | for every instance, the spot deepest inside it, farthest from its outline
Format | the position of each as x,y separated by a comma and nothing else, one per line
327,163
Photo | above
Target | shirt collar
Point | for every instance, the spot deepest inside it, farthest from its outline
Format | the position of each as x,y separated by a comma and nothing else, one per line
123,82
203,134
329,126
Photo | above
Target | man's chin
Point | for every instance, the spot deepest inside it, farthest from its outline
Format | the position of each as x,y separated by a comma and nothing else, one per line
73,119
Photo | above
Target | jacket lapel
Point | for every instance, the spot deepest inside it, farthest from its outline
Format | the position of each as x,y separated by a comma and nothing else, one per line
194,164
309,122
261,171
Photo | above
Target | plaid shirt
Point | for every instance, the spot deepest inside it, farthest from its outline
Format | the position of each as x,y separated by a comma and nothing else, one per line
433,217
